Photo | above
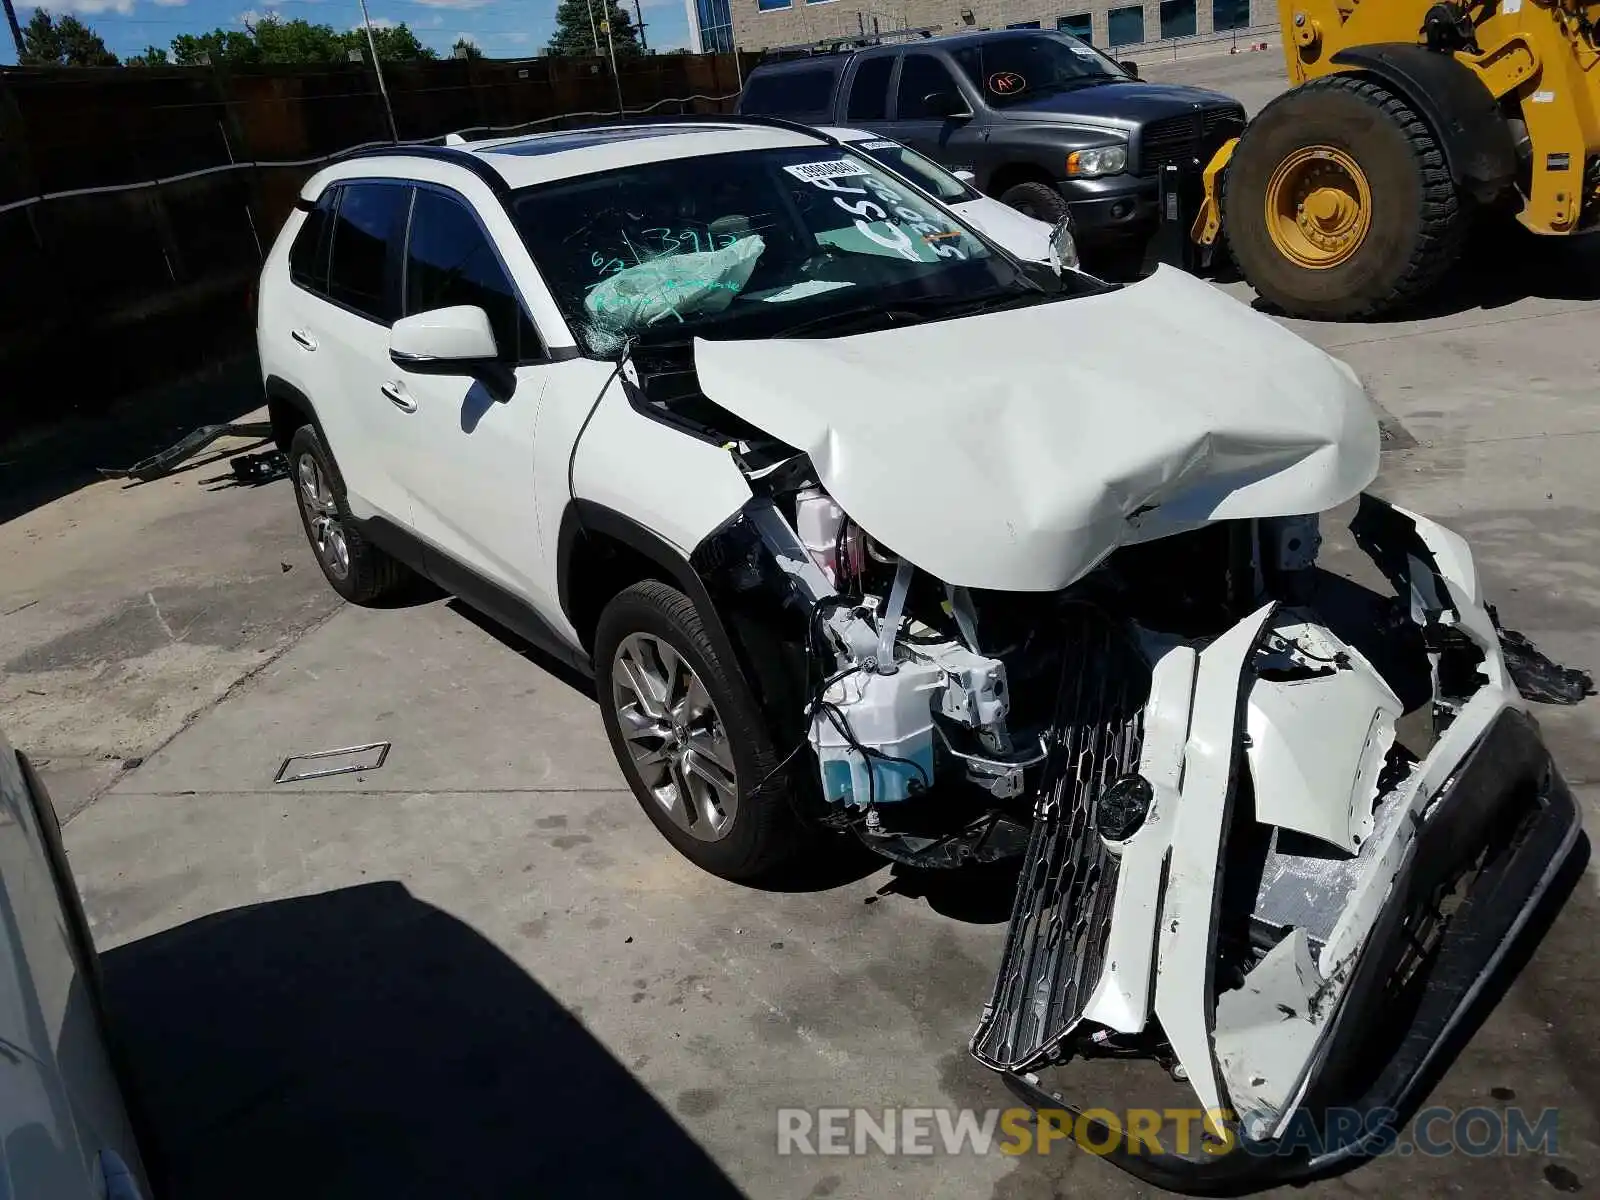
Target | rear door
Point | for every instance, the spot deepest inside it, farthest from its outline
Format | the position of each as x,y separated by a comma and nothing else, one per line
347,326
950,141
866,104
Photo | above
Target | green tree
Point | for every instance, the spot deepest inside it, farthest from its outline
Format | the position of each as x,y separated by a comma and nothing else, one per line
574,35
152,56
47,42
465,48
218,46
274,40
396,43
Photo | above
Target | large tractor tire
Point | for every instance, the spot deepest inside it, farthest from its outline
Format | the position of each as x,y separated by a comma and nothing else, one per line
1338,204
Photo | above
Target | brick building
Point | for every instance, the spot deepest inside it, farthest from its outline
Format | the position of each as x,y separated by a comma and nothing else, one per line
758,24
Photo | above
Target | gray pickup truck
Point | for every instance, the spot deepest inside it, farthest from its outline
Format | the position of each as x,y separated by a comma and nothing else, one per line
1044,121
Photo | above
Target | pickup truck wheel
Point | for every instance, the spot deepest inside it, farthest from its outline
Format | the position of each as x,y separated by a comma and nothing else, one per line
356,569
689,736
1037,200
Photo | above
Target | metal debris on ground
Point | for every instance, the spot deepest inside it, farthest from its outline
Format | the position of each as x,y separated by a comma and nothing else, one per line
255,469
168,460
1537,676
360,758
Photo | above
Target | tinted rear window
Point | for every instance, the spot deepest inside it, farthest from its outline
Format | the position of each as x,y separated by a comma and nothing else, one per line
869,91
369,221
308,256
803,90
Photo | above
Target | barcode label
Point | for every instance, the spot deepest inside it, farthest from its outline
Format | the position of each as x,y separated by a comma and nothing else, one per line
880,145
839,168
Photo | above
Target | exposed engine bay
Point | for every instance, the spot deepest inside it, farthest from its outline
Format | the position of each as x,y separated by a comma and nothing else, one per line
1241,814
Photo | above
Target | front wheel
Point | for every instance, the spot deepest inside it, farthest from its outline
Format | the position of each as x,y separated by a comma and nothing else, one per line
1037,200
690,739
1338,204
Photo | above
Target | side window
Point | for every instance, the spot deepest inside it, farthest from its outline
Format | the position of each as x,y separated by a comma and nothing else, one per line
366,224
920,75
869,90
308,256
788,92
449,261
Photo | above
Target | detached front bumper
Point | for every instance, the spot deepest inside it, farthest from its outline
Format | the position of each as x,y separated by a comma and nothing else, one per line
1387,889
1507,791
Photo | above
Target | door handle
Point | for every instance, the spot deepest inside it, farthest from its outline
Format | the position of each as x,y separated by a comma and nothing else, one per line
303,336
396,395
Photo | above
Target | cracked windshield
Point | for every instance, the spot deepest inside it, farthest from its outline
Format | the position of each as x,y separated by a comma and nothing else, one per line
749,244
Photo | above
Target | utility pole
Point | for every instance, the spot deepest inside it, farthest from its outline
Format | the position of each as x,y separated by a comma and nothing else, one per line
16,30
638,23
588,7
383,90
611,46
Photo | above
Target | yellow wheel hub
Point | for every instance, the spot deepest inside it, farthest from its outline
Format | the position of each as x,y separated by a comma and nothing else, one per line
1319,207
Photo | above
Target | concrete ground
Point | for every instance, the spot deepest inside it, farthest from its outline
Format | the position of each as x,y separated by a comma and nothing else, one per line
480,971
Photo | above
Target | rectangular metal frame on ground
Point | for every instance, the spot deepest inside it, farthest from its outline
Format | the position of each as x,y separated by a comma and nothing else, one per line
322,756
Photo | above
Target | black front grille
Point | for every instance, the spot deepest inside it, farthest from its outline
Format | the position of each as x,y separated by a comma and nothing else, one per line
1055,948
1188,138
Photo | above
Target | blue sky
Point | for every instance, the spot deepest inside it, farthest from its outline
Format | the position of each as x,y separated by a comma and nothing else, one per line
504,28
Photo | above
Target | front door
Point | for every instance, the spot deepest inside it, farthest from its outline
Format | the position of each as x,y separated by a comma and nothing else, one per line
467,461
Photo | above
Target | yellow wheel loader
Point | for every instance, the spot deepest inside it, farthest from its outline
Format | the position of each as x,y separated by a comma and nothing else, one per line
1350,195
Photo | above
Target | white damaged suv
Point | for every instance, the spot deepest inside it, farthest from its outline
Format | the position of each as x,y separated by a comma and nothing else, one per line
867,529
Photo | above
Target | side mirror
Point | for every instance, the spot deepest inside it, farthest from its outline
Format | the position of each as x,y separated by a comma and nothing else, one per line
451,341
445,341
1130,68
945,104
970,178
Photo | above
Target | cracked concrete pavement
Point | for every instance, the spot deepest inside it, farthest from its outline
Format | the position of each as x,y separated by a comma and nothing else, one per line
492,912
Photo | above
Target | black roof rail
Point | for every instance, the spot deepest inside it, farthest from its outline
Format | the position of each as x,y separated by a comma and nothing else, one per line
845,43
432,149
701,119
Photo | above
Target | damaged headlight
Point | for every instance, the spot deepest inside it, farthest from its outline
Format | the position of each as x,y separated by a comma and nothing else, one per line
1063,246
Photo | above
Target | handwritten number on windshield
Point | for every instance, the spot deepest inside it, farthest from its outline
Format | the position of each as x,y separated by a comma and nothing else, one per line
867,214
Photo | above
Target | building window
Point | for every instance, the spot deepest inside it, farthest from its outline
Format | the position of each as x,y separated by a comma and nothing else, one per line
1079,25
769,5
1177,19
714,19
1126,25
1230,14
1024,25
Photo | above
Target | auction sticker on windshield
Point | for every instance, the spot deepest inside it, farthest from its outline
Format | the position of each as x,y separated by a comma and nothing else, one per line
838,168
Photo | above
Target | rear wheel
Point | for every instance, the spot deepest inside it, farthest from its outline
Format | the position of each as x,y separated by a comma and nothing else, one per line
356,569
1338,203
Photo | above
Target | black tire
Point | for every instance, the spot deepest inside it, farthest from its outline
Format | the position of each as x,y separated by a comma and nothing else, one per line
370,573
1418,220
766,834
1037,200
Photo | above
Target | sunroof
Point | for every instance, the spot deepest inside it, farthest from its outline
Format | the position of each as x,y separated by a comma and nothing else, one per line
579,139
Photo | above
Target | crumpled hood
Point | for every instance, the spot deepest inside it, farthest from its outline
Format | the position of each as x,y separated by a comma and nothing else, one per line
1015,450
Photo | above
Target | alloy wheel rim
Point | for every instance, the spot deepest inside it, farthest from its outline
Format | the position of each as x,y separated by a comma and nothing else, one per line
676,739
322,517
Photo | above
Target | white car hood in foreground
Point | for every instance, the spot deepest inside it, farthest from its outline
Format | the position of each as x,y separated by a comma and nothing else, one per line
1015,450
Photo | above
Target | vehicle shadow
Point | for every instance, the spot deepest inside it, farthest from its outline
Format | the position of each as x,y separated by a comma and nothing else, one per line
66,449
361,1043
1503,264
